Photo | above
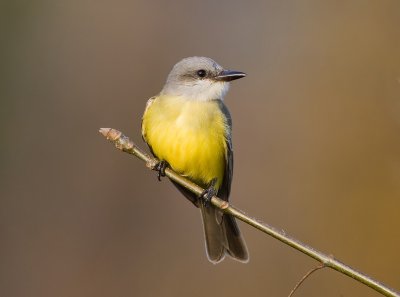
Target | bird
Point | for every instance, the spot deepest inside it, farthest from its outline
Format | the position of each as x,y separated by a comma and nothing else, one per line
188,128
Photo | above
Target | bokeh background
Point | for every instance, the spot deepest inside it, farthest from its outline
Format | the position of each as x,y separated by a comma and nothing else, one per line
316,138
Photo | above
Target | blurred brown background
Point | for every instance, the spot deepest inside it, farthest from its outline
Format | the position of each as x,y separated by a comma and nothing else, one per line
316,136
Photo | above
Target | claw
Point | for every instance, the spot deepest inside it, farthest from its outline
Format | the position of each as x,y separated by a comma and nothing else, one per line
160,168
208,193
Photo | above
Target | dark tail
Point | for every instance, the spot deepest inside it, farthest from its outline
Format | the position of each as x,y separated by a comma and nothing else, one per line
222,236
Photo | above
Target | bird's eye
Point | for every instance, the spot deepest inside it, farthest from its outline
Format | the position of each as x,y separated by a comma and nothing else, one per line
201,73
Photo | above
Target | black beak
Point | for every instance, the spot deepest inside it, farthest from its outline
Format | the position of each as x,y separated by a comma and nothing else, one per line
228,75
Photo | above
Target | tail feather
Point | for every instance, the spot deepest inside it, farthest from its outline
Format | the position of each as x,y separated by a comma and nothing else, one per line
221,232
214,235
222,236
237,248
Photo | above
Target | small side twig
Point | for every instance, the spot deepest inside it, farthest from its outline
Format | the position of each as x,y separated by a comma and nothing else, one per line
125,144
311,271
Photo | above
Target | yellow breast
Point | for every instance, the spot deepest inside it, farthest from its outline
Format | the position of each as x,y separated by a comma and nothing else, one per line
189,135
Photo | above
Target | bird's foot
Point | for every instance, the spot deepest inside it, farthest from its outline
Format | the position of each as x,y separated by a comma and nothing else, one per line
208,193
160,168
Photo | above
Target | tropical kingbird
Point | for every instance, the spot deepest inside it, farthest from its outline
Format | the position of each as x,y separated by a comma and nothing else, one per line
188,127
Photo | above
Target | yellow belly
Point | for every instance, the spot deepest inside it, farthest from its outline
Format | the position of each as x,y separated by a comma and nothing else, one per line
189,135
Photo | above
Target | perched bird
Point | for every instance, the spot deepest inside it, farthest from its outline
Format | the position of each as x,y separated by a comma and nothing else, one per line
188,127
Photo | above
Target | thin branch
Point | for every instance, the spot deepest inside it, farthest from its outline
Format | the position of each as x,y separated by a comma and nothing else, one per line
125,144
311,271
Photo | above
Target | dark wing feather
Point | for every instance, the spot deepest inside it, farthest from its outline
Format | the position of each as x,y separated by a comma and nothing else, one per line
234,243
225,189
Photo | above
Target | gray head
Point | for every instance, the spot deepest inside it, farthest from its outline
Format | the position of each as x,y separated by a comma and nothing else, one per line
199,78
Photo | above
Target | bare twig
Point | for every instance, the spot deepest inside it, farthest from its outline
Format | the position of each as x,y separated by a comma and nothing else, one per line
311,271
125,144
